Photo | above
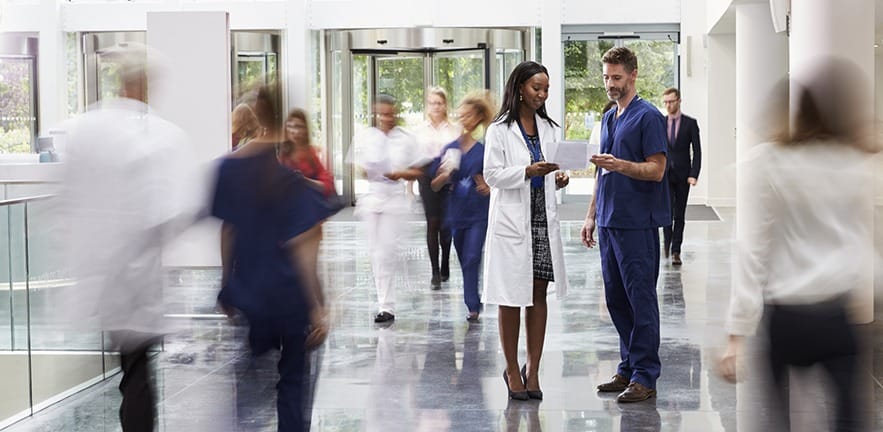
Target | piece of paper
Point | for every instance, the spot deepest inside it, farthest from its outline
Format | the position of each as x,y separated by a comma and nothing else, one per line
572,155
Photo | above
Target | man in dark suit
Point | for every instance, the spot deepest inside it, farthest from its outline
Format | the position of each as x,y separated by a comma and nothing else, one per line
683,168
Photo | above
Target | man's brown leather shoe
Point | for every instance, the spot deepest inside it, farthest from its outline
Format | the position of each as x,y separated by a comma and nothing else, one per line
616,384
676,259
636,392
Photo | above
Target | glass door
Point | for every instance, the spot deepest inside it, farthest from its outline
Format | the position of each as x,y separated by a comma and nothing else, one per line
584,92
365,63
402,77
459,73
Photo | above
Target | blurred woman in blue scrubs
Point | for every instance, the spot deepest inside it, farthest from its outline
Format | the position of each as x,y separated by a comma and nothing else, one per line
269,241
460,165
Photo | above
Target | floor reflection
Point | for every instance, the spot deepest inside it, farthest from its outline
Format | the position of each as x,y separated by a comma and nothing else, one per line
430,370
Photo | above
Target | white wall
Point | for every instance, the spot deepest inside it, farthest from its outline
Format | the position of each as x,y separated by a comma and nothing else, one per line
342,14
130,16
694,84
715,10
720,150
621,11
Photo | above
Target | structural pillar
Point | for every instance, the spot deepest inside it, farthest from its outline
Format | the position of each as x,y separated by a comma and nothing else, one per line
823,29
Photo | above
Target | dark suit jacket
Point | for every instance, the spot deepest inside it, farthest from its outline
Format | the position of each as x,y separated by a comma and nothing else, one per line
679,164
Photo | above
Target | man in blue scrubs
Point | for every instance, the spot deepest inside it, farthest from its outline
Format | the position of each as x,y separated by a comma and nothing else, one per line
630,203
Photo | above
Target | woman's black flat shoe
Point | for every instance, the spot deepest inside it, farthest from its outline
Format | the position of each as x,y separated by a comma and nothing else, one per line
532,394
519,395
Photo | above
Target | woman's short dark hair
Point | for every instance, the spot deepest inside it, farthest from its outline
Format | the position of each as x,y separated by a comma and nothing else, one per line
511,103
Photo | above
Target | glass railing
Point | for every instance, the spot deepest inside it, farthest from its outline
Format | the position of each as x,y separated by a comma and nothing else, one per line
42,359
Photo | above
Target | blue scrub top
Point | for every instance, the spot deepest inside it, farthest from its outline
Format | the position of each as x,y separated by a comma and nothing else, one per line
623,202
267,204
465,205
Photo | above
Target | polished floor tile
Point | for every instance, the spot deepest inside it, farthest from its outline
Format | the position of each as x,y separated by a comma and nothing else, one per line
433,371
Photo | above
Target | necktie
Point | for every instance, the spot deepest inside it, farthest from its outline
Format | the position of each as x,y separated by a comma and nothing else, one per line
671,137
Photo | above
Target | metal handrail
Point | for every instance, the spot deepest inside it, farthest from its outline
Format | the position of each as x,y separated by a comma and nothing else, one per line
12,201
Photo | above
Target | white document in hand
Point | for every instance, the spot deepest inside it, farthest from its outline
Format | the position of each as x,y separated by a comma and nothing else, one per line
572,155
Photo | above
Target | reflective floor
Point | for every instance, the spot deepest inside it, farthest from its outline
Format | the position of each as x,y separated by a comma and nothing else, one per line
433,371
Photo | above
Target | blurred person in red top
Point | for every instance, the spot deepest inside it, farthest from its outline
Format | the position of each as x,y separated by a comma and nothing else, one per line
297,153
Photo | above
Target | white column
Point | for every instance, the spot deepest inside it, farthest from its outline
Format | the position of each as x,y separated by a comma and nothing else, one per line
761,62
835,28
51,83
297,54
553,58
194,94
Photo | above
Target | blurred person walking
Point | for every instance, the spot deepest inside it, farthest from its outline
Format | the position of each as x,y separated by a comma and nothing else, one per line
297,153
799,263
683,169
630,203
467,206
523,208
387,156
125,196
269,247
245,125
433,135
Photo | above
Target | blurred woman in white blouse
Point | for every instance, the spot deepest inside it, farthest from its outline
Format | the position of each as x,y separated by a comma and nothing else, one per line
432,136
804,239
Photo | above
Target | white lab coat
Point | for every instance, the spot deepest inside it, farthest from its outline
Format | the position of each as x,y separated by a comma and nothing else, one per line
508,261
127,192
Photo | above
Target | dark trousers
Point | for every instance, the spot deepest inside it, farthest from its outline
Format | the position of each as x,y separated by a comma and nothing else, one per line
630,268
292,389
438,235
138,407
674,234
469,243
806,335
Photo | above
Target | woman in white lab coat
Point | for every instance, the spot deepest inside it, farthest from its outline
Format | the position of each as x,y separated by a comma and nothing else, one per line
523,247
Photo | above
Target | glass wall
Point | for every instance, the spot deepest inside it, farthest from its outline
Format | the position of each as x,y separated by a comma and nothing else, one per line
42,358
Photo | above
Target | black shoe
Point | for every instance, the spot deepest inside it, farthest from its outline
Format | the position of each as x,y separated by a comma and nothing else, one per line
445,273
383,317
533,394
435,283
472,317
519,395
676,258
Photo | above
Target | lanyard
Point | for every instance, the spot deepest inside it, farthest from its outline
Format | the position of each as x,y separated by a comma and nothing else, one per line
535,151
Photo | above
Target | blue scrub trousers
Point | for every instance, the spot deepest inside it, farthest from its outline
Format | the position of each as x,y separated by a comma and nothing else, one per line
469,242
630,267
289,336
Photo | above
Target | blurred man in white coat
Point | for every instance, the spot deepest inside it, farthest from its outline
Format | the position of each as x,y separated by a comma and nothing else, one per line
123,199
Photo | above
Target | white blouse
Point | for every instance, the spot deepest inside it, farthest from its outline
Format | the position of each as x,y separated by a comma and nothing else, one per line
804,232
433,139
